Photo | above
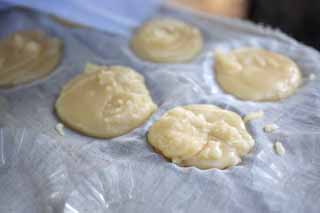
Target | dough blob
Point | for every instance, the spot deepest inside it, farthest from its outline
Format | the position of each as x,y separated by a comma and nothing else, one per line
167,40
257,74
204,136
26,56
105,102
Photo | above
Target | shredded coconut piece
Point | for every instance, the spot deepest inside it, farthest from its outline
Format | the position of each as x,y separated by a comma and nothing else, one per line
279,149
312,77
270,128
253,116
59,129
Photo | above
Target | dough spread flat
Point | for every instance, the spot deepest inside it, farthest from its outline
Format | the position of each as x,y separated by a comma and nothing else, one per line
105,102
26,56
204,136
167,40
257,74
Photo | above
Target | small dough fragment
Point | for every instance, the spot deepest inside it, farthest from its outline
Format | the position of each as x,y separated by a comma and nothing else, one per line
26,56
59,129
253,116
279,149
257,74
105,102
167,40
204,136
270,128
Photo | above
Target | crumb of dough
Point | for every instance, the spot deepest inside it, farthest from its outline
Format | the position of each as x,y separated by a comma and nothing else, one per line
270,128
253,116
312,77
59,129
279,149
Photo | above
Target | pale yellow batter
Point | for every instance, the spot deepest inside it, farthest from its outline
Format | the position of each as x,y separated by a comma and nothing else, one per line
204,136
26,56
105,102
257,74
167,40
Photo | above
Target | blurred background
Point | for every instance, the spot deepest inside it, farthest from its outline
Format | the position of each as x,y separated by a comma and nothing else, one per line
298,18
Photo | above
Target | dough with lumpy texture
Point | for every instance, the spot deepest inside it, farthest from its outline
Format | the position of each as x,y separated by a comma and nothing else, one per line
105,102
204,136
257,74
26,56
167,40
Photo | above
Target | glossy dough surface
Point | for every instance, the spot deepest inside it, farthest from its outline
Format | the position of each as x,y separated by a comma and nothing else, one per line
105,102
26,56
257,74
204,136
167,40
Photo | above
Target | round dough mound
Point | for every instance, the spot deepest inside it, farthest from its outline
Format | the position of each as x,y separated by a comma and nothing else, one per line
26,56
105,102
257,74
204,136
167,40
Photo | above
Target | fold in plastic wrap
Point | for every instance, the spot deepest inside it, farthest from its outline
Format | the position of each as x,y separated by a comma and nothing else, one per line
125,175
123,178
33,173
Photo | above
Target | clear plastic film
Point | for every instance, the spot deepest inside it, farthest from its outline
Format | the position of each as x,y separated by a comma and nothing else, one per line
124,174
113,16
33,173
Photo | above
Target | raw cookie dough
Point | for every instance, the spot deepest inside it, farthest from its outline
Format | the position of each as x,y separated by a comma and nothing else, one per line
26,56
105,102
167,40
204,136
279,148
257,74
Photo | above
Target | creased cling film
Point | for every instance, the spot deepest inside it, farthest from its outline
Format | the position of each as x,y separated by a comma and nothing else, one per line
204,136
167,40
26,56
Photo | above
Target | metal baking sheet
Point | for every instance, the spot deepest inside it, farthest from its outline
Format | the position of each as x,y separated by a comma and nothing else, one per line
124,174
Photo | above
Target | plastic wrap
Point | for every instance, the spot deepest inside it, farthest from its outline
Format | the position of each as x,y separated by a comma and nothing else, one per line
124,174
113,16
33,173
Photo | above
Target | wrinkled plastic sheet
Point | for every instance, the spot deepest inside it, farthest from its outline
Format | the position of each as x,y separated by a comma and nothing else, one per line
124,174
33,173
